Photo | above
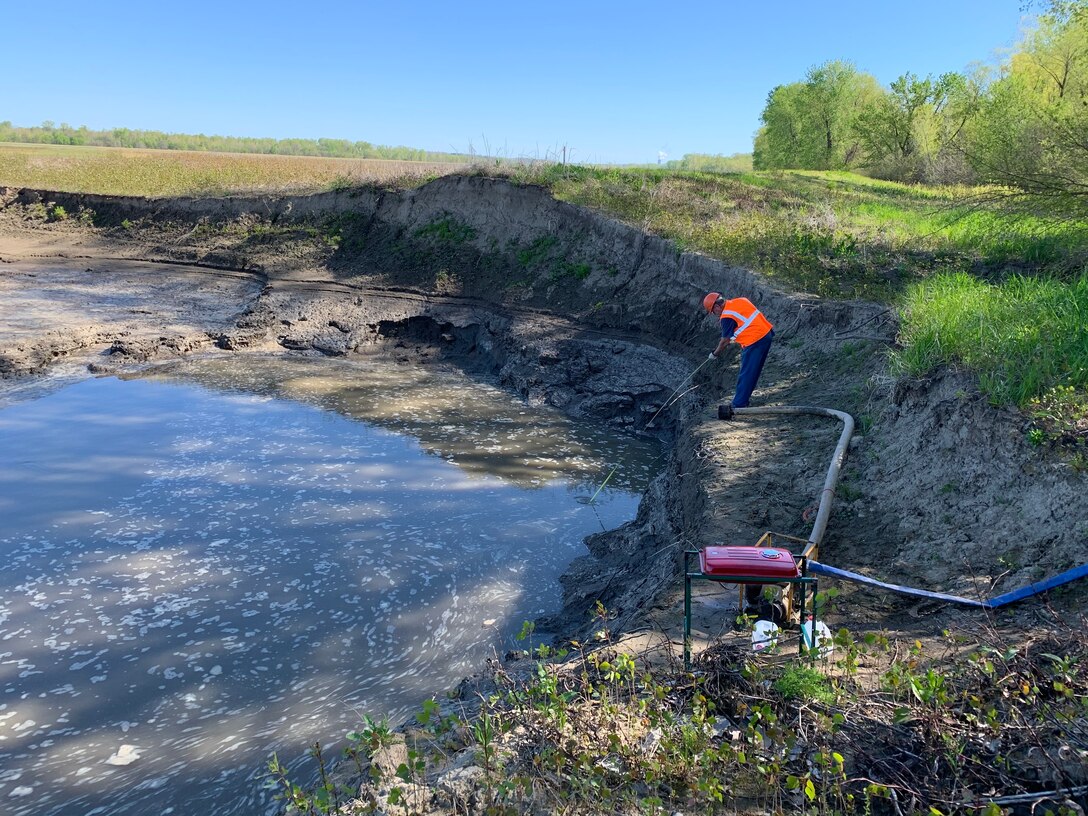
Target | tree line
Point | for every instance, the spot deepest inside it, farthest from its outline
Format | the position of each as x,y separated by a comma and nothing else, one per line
1022,125
65,134
707,163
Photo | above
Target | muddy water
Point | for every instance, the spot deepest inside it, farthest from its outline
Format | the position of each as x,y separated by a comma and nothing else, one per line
229,558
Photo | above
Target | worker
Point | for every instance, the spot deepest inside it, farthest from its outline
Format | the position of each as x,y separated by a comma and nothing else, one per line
741,323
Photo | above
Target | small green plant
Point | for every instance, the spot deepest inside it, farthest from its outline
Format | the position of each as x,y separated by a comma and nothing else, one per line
448,230
601,617
126,224
565,269
1010,561
848,492
444,280
799,682
373,736
824,602
1060,417
59,213
865,423
928,687
527,629
288,792
341,231
323,798
537,251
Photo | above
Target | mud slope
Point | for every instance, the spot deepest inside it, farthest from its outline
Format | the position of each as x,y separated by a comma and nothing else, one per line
588,314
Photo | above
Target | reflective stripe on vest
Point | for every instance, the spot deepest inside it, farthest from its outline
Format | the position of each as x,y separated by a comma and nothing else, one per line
752,326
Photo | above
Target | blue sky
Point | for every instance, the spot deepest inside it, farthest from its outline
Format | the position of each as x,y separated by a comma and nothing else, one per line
611,81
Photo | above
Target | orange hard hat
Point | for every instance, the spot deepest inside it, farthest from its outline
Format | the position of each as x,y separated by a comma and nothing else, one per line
710,300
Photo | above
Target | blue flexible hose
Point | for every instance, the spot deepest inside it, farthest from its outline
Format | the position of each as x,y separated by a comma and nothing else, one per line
1028,591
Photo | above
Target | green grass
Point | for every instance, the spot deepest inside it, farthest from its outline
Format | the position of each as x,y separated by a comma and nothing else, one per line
805,684
1024,337
448,230
831,234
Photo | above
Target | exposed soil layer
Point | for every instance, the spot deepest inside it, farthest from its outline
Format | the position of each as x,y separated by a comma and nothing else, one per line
578,311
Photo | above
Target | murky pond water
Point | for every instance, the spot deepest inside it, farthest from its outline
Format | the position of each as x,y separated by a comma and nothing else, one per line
227,558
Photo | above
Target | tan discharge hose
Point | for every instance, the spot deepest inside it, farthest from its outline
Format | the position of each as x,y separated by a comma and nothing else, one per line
812,549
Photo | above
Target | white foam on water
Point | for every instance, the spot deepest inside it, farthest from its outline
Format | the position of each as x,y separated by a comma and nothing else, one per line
256,565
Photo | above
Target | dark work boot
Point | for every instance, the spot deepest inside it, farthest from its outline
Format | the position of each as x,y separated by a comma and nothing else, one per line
725,411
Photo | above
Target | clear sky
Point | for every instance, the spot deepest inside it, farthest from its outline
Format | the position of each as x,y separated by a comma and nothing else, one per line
624,81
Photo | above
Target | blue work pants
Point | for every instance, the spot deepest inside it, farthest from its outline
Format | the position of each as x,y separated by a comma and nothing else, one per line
751,365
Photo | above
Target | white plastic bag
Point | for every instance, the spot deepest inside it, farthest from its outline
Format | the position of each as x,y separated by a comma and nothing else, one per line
825,641
764,636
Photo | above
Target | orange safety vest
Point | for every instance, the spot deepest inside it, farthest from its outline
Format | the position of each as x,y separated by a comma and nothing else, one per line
752,326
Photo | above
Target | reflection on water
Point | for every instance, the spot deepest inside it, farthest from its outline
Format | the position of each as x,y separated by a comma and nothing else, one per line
237,557
484,430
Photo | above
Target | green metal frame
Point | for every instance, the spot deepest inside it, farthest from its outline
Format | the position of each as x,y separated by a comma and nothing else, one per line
802,581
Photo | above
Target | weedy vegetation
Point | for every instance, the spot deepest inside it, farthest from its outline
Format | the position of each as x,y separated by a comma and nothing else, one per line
881,727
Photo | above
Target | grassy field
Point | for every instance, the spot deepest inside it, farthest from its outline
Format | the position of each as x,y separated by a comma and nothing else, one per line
978,281
122,171
833,234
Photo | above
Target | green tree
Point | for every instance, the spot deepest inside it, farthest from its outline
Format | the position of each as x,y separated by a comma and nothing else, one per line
907,132
954,108
1031,130
836,94
811,125
784,140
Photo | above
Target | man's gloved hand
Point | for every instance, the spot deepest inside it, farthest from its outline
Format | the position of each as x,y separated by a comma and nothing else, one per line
712,356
